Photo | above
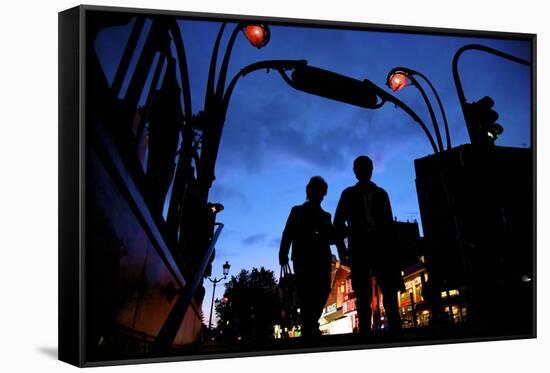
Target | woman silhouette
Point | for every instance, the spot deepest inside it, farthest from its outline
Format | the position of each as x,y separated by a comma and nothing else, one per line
310,232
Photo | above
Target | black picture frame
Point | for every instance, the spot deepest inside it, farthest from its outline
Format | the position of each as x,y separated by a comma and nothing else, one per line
88,154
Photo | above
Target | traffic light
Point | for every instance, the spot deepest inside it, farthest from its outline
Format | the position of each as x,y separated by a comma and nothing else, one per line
481,121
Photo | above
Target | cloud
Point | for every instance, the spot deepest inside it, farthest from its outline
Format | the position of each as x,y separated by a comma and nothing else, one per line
254,239
224,255
224,192
268,123
323,135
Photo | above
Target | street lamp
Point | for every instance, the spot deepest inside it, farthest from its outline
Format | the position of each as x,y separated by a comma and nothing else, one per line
397,81
226,267
257,35
399,77
215,281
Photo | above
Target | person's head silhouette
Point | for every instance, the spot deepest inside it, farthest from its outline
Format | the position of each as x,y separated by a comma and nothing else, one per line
362,167
316,189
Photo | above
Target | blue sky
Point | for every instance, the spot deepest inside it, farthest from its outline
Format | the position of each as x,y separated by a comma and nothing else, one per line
276,138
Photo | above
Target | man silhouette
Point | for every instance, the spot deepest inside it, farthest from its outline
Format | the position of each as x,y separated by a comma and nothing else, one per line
364,216
309,229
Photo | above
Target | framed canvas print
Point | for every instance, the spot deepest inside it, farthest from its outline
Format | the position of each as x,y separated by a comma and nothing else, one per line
237,186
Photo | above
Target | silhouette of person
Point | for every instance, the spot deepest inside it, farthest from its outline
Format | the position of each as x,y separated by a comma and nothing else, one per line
309,229
364,216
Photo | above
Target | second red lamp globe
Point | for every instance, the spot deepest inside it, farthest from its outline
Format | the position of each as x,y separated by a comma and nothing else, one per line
397,81
257,35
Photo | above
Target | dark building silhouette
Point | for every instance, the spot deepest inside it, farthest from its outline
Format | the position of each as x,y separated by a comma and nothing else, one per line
476,206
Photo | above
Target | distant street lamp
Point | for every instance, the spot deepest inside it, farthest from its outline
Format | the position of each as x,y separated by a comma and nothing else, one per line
226,267
215,281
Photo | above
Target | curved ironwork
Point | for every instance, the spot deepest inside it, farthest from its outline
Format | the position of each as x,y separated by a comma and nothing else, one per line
283,65
277,65
182,63
212,69
410,73
225,62
441,108
483,48
385,96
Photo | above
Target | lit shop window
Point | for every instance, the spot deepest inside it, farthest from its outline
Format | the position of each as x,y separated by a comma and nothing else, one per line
452,293
349,306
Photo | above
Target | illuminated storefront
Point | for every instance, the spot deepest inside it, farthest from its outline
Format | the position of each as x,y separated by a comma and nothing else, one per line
340,312
280,332
339,315
414,309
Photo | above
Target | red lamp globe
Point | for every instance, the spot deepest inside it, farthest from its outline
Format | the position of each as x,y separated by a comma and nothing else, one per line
397,81
257,35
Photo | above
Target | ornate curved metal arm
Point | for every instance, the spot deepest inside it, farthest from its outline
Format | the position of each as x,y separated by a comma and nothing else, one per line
496,52
430,110
225,62
212,69
385,96
277,65
410,74
182,63
441,108
283,65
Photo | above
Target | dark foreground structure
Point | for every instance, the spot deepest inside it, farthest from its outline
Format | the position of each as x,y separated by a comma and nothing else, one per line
476,205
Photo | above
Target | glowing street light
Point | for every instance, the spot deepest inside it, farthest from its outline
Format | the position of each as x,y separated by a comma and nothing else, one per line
397,81
215,208
257,35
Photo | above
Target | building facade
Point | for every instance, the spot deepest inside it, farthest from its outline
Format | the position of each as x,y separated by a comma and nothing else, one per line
415,308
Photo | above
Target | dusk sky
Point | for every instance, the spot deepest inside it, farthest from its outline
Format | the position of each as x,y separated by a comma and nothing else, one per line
275,138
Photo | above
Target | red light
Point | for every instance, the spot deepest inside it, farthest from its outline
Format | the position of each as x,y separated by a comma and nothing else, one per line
397,81
257,35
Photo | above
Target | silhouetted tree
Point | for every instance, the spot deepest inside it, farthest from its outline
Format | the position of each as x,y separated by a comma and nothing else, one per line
249,307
